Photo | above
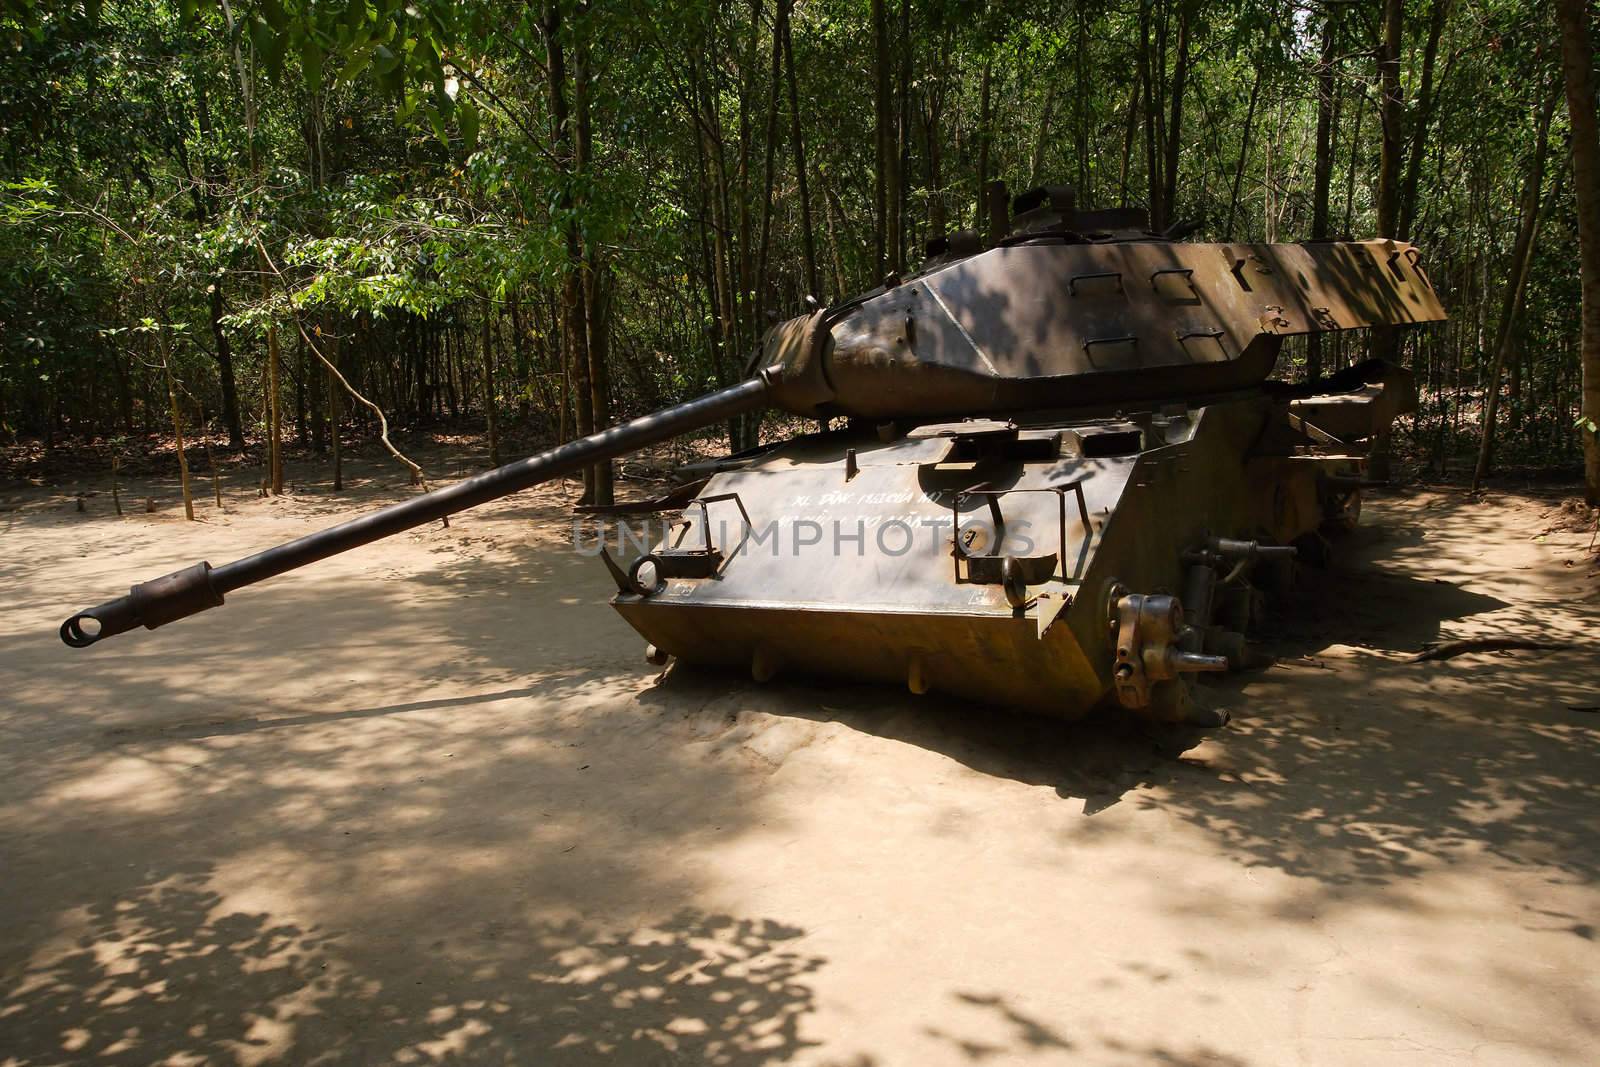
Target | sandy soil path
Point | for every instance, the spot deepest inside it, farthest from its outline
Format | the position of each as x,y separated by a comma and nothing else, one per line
427,804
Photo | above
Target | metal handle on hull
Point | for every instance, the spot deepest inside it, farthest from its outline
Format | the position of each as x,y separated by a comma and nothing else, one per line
201,586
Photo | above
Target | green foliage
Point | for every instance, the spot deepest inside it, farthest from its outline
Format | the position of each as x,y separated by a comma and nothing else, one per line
403,172
408,48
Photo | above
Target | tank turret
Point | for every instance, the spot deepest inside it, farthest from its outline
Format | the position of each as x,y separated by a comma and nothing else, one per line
1063,315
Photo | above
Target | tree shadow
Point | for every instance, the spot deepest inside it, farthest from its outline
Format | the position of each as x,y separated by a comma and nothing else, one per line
1367,782
332,778
1097,759
165,973
990,1028
1353,764
1357,778
1364,602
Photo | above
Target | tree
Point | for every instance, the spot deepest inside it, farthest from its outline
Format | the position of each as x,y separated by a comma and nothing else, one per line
1516,285
1391,114
884,181
467,238
1322,178
1578,58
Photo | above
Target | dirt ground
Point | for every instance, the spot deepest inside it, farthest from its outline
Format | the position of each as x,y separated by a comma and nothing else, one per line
426,803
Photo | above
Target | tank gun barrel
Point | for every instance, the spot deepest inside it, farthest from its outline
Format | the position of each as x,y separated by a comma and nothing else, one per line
201,586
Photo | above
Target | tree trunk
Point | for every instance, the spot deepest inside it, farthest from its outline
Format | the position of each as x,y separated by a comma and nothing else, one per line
1081,108
557,392
933,138
1426,97
1392,116
215,178
300,371
274,412
316,396
1152,111
1180,74
1130,130
274,409
836,233
881,106
902,165
1041,138
1244,153
1350,173
985,137
1322,176
745,245
1386,339
1516,285
491,403
230,389
124,395
335,401
802,180
447,356
573,317
1578,59
722,264
177,426
597,310
775,88
596,323
519,346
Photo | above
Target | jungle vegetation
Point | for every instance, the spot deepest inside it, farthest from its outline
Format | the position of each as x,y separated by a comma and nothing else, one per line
267,221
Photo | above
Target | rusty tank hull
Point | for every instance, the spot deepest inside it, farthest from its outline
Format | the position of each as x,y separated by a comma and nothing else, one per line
848,555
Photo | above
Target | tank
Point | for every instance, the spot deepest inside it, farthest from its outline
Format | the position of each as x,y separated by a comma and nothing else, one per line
1050,474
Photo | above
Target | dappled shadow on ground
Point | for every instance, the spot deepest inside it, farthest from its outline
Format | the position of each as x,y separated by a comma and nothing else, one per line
165,972
1097,759
1025,1034
467,738
1374,773
222,836
1391,587
1352,764
1363,606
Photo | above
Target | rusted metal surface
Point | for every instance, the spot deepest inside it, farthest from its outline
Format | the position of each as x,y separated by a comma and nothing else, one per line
874,576
1047,324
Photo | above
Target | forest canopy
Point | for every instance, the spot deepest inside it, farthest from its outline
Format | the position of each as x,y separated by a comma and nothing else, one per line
272,219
